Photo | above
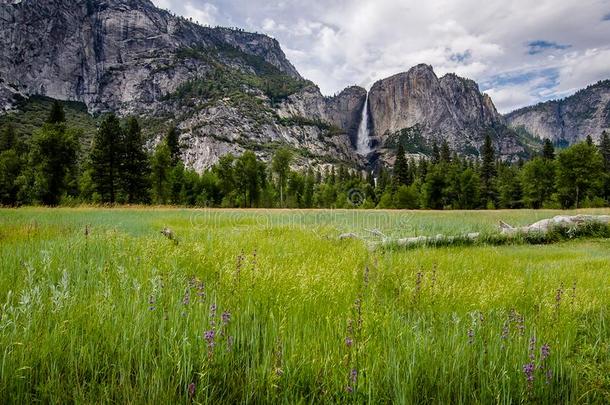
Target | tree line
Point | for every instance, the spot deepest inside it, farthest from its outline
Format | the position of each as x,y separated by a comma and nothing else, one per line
51,169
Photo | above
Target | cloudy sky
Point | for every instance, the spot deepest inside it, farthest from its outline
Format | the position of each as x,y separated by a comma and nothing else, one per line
519,51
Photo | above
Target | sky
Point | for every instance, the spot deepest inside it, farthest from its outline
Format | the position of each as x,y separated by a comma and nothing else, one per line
519,51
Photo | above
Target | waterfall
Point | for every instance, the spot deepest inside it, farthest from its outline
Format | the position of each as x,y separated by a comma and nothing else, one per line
363,148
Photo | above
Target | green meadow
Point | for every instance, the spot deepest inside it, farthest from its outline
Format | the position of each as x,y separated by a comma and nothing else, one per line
97,306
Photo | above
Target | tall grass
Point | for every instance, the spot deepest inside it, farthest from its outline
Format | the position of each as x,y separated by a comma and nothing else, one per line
251,307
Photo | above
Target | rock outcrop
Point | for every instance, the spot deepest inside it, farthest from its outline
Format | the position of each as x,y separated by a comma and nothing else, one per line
570,120
226,90
450,108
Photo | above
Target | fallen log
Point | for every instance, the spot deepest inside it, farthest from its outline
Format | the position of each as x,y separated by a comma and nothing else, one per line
534,233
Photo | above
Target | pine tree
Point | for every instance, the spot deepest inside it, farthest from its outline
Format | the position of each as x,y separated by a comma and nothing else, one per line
436,154
160,169
401,168
134,165
172,140
53,156
445,154
548,150
105,159
589,140
8,138
57,115
488,171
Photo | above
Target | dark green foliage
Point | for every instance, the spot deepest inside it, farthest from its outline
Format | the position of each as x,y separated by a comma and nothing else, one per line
280,165
105,159
57,115
488,171
172,140
579,174
52,158
548,150
160,174
134,165
401,168
538,182
8,138
10,168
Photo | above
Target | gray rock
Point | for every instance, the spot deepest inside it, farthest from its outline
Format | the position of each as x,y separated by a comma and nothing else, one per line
570,120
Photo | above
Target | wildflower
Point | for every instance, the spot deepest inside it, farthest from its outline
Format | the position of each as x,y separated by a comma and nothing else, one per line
549,376
201,291
505,331
470,336
209,337
349,342
213,309
532,348
187,297
226,317
151,302
545,352
349,389
354,376
529,370
191,390
230,342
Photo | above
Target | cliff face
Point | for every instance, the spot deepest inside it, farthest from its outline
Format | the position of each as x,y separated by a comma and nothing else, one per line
226,90
110,53
570,120
221,87
450,108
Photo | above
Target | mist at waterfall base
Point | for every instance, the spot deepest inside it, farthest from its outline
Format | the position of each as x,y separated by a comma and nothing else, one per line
363,146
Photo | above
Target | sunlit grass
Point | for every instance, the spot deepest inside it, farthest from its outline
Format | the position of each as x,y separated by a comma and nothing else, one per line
124,315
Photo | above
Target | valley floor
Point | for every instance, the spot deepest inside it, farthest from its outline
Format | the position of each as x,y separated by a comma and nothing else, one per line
96,305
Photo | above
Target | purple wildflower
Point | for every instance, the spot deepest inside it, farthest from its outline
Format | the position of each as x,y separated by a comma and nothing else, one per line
532,348
187,297
230,342
209,336
213,309
354,376
226,317
349,389
191,390
549,376
349,341
545,352
470,336
529,370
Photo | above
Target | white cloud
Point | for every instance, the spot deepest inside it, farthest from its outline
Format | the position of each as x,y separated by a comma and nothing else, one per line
342,42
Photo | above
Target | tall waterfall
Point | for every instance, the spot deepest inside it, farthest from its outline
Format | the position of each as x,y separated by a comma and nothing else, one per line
363,147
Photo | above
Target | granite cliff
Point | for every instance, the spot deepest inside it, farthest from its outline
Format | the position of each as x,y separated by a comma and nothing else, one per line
569,120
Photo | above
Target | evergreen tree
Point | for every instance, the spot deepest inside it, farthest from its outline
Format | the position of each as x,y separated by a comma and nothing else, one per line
52,157
57,115
548,150
280,165
134,165
469,190
589,140
509,188
436,153
488,171
105,159
160,174
433,189
445,153
10,169
401,168
8,138
172,139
